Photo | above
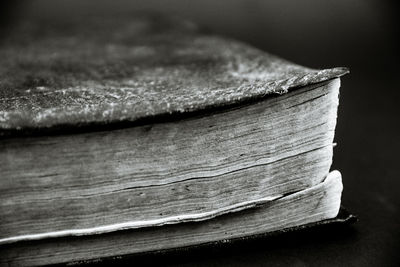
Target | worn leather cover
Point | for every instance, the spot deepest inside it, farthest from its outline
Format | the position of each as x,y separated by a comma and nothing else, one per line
77,73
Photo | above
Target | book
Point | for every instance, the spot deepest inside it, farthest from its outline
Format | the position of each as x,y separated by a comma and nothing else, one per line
130,135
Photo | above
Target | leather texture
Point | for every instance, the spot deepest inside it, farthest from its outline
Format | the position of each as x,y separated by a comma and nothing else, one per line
72,74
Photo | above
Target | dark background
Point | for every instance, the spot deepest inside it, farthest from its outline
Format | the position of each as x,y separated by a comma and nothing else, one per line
361,35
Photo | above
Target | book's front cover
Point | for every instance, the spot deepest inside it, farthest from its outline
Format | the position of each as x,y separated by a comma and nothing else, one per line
98,72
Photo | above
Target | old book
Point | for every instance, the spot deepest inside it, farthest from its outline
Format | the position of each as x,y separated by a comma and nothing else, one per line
143,134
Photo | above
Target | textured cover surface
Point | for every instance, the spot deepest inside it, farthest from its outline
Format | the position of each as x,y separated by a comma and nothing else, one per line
110,70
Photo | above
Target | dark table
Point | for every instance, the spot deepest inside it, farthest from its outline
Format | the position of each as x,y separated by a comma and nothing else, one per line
358,34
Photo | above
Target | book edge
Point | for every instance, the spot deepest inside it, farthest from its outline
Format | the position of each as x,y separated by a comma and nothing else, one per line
281,87
344,218
104,229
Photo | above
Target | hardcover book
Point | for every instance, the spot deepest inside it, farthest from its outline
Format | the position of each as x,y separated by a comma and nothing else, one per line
122,136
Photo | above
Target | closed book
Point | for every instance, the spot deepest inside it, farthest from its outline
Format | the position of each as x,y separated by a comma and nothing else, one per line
131,135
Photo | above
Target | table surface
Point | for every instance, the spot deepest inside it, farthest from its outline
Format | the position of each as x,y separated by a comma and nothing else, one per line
358,34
